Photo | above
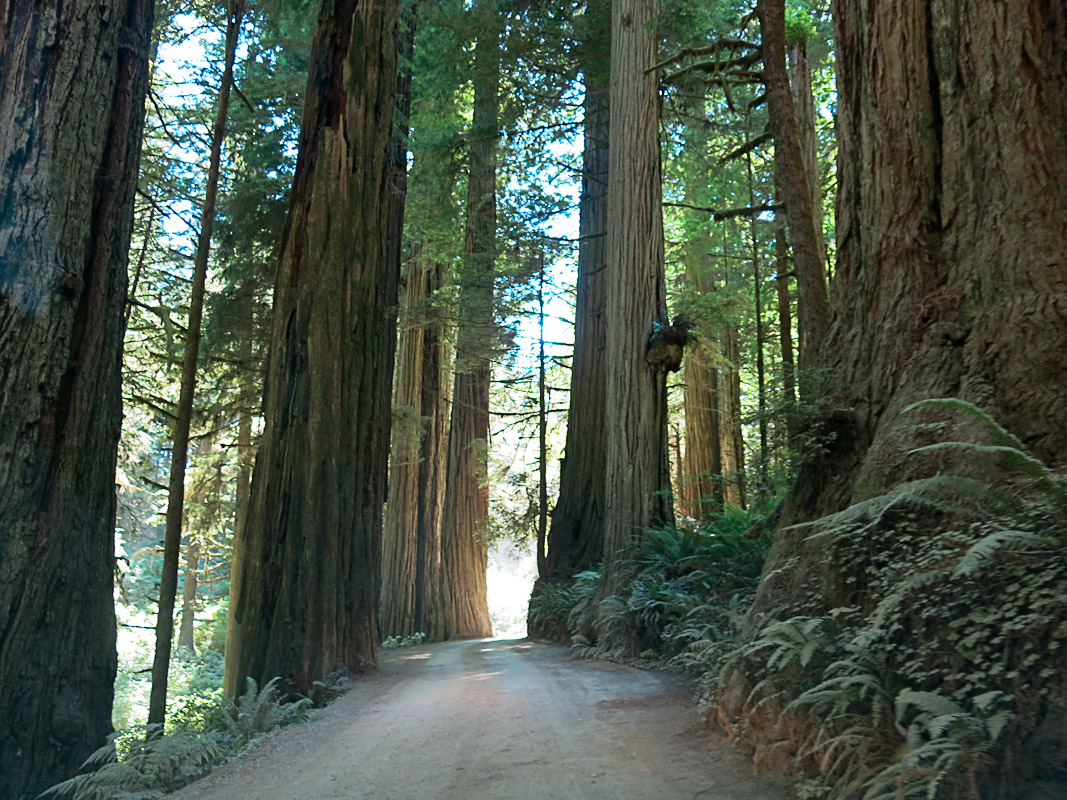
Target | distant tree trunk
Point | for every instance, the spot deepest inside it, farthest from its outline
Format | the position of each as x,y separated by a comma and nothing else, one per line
804,217
762,487
168,582
701,492
464,611
637,479
242,496
412,547
401,527
575,537
703,482
733,449
187,630
952,246
73,78
804,111
785,327
307,595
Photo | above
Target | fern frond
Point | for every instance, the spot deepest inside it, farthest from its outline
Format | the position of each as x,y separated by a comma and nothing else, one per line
988,546
972,413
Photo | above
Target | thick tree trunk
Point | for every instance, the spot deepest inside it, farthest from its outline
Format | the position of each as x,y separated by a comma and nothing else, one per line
464,611
73,78
307,595
701,492
575,537
168,583
803,216
952,235
400,534
637,480
702,486
411,552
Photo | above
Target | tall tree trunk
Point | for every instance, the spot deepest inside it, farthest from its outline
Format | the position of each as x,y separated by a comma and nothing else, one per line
168,582
242,497
464,611
762,488
411,551
804,111
637,479
733,450
542,428
952,235
400,531
701,492
307,595
785,326
803,216
575,537
73,78
189,586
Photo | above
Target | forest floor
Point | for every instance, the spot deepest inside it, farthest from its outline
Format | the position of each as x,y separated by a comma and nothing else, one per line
496,720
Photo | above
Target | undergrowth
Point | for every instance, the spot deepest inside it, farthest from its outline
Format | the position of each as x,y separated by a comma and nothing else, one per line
143,763
937,672
690,584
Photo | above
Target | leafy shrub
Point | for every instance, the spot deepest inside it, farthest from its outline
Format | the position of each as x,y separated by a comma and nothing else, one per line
404,641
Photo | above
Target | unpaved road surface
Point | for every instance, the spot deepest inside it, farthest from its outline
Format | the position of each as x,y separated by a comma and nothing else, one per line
496,720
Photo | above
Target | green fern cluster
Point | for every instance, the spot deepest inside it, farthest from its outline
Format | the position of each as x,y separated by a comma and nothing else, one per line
143,763
950,632
557,608
690,586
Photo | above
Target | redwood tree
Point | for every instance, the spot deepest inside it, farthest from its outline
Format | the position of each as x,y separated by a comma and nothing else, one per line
464,612
637,479
952,242
306,595
73,78
798,188
575,538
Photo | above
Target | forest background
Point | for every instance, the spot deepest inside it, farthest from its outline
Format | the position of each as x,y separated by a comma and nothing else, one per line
816,344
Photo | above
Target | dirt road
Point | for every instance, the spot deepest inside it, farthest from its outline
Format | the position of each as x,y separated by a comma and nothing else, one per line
496,720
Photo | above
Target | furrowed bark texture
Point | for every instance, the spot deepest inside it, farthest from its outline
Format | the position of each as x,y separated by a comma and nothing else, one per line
575,538
401,532
952,242
73,78
637,479
411,552
464,557
702,484
804,112
701,487
307,597
796,187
